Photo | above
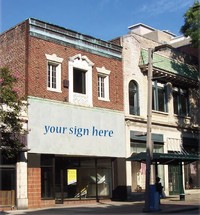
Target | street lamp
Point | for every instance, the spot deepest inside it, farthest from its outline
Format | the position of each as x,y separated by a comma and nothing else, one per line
149,143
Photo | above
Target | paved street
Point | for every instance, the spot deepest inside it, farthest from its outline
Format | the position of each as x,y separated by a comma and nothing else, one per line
170,205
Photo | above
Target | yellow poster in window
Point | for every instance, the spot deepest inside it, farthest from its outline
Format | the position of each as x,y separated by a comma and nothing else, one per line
71,176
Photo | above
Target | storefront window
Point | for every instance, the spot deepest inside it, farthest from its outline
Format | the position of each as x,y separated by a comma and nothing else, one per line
75,178
7,179
192,170
139,169
104,182
47,182
192,175
91,175
7,186
71,183
47,176
87,183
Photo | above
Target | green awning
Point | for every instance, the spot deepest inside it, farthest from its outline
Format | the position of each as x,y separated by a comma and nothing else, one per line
165,158
170,65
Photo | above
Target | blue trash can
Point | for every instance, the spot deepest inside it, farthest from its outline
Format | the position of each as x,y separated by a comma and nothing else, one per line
154,198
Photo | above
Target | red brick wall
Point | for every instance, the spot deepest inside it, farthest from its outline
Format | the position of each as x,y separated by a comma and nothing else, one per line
13,53
34,190
37,78
26,55
34,187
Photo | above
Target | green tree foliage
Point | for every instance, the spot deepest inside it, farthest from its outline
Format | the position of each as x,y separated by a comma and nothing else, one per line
192,24
10,108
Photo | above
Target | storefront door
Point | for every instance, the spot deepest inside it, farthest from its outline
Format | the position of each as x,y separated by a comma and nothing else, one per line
173,180
65,180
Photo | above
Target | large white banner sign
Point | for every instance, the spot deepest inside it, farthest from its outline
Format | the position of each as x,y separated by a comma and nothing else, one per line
58,128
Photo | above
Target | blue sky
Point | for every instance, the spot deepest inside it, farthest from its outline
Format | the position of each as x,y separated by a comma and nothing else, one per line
103,19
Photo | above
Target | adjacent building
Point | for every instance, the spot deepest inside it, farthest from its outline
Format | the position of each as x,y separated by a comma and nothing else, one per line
175,108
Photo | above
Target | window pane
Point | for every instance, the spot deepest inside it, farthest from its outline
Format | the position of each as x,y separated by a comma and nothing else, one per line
101,87
161,100
153,99
183,104
52,76
47,182
133,98
47,176
175,98
49,75
104,182
158,97
87,183
7,179
192,175
180,100
79,81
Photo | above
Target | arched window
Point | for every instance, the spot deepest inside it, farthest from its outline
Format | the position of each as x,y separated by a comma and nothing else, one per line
133,98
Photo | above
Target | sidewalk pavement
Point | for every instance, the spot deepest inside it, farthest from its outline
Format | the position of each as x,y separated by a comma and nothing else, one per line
169,205
174,204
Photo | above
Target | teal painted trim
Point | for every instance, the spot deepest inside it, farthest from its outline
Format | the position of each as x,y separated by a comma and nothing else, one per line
75,46
64,36
170,65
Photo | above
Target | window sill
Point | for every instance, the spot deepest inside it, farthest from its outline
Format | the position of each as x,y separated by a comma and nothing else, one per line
160,112
54,90
182,116
104,99
47,198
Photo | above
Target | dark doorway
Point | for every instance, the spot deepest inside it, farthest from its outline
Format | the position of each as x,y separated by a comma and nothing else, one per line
7,186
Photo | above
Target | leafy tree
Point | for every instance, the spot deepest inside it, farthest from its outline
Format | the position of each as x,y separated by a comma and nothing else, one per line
10,108
192,24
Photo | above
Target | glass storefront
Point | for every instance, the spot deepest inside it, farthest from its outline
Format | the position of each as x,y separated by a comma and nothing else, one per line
192,170
66,178
139,169
192,175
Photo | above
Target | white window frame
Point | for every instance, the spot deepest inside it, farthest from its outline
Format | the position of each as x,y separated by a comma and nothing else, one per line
56,61
182,92
155,87
104,73
83,63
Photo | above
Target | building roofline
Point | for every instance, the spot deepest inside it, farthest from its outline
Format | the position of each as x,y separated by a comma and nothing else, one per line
61,35
70,30
151,28
142,24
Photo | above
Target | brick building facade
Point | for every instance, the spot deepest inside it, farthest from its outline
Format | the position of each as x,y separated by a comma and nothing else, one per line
74,89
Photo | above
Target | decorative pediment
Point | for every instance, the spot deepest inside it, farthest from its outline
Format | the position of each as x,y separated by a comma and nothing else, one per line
79,57
54,58
103,70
